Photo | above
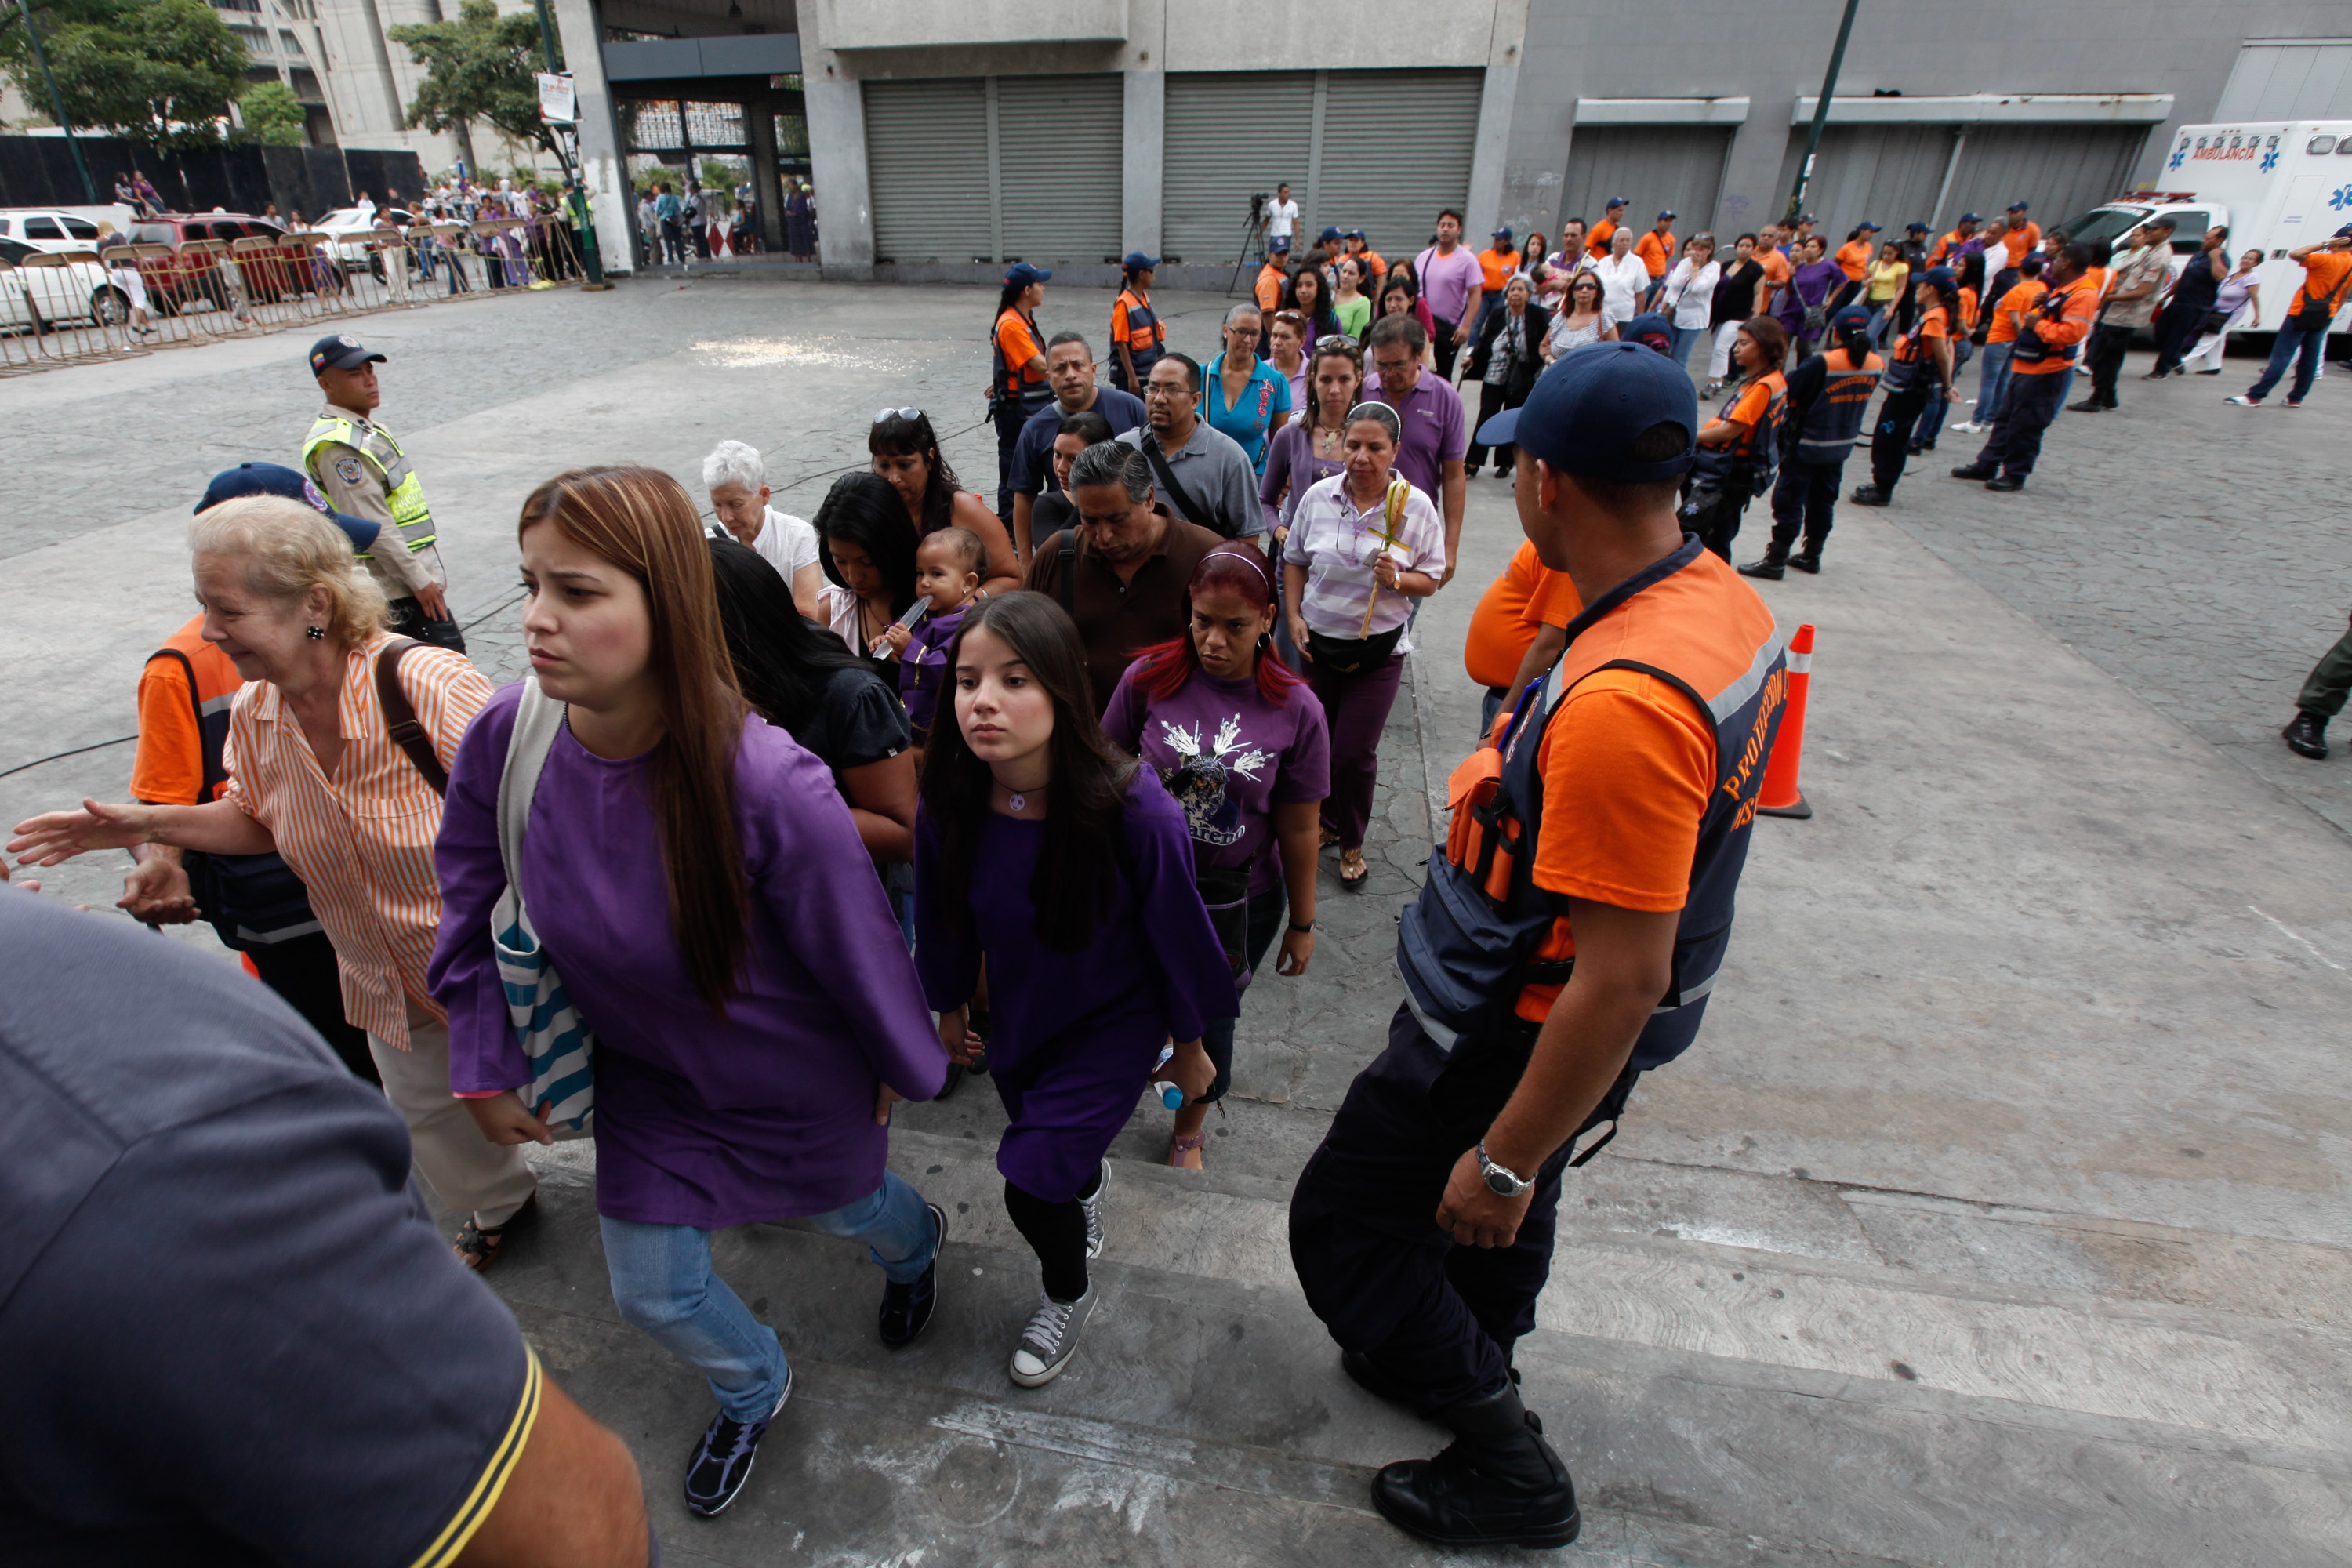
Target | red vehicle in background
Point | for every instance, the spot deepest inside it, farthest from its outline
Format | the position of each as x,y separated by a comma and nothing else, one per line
270,264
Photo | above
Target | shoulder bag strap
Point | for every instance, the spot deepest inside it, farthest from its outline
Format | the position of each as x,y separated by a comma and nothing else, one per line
400,720
537,719
1167,475
1066,578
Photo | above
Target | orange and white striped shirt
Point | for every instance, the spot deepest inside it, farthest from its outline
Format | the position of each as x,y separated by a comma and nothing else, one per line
363,840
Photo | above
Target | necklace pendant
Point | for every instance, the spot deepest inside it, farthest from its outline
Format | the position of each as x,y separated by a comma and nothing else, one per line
1018,802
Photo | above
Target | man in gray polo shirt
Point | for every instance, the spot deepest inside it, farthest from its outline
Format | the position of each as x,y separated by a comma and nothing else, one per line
1202,475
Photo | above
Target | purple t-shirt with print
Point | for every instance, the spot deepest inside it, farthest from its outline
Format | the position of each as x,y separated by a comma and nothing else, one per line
923,670
1226,755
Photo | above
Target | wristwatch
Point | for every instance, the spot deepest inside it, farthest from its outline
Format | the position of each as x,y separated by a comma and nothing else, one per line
1303,930
1500,1179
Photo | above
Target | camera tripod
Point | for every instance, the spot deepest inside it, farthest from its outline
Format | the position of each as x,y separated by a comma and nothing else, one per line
1251,226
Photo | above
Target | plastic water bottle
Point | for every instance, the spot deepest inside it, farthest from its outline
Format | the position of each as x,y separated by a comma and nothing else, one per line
1169,1095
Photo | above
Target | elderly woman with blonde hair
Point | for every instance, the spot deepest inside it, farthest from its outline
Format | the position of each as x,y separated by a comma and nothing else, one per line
339,747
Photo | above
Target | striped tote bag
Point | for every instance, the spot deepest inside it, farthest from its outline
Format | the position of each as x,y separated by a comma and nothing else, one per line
560,1047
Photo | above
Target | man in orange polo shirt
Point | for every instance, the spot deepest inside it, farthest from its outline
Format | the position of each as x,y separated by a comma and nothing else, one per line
1774,260
1496,264
1272,279
1422,1229
2038,362
1596,244
1656,249
2000,336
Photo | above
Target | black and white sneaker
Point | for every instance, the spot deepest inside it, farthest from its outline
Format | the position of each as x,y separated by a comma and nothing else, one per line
1092,1208
907,1309
1051,1339
722,1460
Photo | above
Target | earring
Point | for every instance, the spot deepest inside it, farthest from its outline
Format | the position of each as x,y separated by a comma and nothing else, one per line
1264,641
316,634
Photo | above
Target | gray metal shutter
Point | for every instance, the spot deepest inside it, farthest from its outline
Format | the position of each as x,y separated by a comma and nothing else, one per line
1656,168
1229,134
2299,78
927,160
1396,148
2063,169
1888,174
1059,162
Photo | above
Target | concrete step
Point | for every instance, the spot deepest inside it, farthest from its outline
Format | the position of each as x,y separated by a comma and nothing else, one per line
1716,1404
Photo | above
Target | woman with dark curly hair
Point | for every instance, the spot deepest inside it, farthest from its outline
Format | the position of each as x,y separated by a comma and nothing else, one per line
905,452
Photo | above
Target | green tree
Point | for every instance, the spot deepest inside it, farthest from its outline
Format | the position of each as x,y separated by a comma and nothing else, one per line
483,67
273,115
162,71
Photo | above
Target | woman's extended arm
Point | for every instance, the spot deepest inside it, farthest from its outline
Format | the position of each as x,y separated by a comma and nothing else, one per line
217,827
1002,574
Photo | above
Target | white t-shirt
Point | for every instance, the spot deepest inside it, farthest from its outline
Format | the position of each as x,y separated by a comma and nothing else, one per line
1691,293
1622,280
1283,218
786,544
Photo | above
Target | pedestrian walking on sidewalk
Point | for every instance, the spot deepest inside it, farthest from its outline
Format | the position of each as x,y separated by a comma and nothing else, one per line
691,875
1240,742
324,775
1422,1229
1068,869
1829,394
2193,296
1357,558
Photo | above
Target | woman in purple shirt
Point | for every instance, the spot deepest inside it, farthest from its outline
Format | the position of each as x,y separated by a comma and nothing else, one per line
1804,309
1239,740
693,875
1067,868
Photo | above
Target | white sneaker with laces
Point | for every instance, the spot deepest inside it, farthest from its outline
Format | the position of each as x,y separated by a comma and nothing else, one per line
1092,1208
2242,401
1051,1339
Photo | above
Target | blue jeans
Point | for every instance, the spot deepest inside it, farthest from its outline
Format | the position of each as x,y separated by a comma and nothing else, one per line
2293,345
1879,316
663,1283
1931,418
1682,339
1992,379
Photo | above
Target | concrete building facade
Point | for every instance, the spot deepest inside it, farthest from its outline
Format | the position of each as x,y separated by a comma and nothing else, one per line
947,141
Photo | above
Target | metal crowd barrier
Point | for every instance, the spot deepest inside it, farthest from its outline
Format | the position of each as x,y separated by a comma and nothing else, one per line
69,309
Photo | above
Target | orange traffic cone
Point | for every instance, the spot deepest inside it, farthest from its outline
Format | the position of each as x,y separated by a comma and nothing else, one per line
1781,797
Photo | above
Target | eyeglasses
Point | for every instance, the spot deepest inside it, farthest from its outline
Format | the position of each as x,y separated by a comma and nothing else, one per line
889,413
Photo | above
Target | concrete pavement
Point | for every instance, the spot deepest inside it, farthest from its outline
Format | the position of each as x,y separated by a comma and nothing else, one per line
1999,1216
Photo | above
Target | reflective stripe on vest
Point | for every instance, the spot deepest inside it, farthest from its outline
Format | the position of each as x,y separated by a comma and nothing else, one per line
1466,960
404,492
1834,419
1147,339
1012,380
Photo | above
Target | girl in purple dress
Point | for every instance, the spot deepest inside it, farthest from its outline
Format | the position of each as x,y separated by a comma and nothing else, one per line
1239,740
1068,869
694,877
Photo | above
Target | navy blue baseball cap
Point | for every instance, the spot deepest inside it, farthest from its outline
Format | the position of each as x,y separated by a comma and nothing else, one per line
1589,408
1353,233
1666,216
277,479
2018,206
1504,232
1021,272
1649,329
1851,316
1135,262
1329,232
1941,276
1868,224
339,352
1971,218
1915,227
1616,201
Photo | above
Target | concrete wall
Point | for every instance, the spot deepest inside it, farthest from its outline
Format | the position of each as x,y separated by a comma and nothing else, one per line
1773,51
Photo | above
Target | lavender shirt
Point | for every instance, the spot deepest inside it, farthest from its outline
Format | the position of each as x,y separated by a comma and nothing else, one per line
1293,467
1435,433
1074,1035
1227,755
1450,283
765,1114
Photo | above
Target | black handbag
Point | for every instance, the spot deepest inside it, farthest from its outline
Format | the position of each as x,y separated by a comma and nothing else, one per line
1225,893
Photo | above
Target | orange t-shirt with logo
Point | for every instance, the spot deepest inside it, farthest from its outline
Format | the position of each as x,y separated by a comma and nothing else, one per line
1497,266
1656,251
1854,260
1525,595
2020,240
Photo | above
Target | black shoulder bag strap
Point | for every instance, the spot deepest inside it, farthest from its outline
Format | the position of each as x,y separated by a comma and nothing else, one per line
1065,544
1192,508
400,720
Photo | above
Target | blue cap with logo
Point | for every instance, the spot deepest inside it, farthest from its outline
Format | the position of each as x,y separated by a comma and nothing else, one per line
1331,233
1503,233
2018,206
1616,201
1971,218
277,479
1021,272
339,352
1587,411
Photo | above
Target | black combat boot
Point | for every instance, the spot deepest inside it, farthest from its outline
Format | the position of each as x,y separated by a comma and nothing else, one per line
2307,736
1808,559
1773,567
1498,1483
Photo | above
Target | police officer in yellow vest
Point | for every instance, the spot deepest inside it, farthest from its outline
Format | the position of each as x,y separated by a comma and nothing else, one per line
364,472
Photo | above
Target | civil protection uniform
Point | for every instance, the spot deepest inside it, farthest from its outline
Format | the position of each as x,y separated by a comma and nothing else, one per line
1724,479
363,471
1912,382
1145,339
1015,393
254,903
1483,952
1826,405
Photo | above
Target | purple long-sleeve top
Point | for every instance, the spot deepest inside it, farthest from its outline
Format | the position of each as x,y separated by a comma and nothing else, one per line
765,1114
1811,284
1075,1032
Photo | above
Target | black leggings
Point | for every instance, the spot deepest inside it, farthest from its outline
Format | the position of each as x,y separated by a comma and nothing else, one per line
1057,1234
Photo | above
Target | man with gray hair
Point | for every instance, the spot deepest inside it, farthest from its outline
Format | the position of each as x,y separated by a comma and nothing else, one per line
737,481
1201,474
1124,569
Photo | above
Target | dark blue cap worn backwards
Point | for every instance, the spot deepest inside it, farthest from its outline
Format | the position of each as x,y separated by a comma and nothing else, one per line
1587,411
277,479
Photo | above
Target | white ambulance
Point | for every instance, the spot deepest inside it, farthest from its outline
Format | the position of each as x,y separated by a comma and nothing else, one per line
2279,186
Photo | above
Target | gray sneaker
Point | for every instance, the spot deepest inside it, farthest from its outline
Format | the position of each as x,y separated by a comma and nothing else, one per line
1092,1208
1051,1339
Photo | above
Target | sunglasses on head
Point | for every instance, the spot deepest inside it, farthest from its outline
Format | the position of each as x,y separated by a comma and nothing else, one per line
897,414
